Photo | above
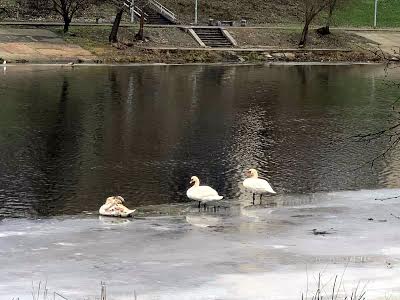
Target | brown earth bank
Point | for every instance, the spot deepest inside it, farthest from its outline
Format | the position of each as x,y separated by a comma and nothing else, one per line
174,45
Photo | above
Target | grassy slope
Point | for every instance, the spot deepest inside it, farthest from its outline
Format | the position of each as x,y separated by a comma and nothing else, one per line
361,13
349,13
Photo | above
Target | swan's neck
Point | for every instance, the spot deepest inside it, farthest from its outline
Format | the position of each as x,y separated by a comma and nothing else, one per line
196,183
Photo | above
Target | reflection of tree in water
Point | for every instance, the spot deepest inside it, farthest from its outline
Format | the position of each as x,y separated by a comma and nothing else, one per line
58,159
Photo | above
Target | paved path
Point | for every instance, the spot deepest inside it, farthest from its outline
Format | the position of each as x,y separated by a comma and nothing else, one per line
38,45
389,42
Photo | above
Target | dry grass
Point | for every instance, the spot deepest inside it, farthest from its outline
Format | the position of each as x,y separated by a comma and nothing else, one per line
329,290
332,290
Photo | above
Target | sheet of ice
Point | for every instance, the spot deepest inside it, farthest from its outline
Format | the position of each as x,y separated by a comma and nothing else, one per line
246,252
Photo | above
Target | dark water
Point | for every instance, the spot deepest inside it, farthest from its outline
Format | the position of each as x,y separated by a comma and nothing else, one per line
71,137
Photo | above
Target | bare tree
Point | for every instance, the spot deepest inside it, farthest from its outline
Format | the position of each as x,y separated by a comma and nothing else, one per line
140,35
113,38
68,8
311,9
332,4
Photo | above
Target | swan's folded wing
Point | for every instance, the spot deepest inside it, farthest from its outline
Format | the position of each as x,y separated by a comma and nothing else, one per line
258,185
204,193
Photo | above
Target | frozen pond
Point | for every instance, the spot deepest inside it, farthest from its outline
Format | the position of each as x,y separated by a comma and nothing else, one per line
70,137
245,252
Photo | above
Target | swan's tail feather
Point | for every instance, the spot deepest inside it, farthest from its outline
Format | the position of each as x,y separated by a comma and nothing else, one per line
129,213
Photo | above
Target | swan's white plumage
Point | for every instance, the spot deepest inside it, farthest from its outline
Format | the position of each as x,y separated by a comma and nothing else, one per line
202,193
114,208
258,186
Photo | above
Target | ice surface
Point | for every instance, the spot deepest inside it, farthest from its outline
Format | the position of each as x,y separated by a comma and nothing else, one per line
245,252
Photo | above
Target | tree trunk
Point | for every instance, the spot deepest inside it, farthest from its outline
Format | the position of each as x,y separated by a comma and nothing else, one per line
324,30
67,22
304,34
113,38
332,6
140,34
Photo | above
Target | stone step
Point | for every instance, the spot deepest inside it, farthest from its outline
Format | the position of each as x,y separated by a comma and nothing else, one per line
212,37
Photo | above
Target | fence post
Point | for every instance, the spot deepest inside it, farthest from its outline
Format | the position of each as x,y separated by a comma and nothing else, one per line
195,12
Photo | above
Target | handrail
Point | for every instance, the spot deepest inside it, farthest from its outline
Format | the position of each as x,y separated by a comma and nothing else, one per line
136,9
157,5
163,10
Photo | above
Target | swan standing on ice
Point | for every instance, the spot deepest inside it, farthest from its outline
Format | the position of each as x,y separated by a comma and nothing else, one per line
201,193
114,208
257,185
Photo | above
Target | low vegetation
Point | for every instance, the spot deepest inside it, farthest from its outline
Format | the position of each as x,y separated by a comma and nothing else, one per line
361,13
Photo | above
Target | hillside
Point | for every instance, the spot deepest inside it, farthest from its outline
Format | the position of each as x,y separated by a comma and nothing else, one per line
256,12
349,12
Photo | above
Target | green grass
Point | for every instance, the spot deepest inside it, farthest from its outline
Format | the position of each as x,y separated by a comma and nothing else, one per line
360,13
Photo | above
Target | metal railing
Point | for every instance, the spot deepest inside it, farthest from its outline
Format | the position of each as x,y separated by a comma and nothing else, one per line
163,10
134,10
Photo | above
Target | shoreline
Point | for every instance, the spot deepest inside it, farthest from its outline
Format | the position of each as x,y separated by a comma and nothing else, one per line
275,63
171,45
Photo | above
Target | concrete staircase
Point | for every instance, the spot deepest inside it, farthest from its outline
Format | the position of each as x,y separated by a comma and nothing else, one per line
154,17
213,37
154,12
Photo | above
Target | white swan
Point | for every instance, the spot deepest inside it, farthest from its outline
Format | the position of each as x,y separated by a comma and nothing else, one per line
201,193
114,208
257,185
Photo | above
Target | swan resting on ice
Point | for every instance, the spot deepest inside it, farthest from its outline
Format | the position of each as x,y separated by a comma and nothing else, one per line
257,185
201,193
114,208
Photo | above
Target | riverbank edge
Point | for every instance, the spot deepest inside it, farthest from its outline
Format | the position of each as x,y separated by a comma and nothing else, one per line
227,64
201,57
166,50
